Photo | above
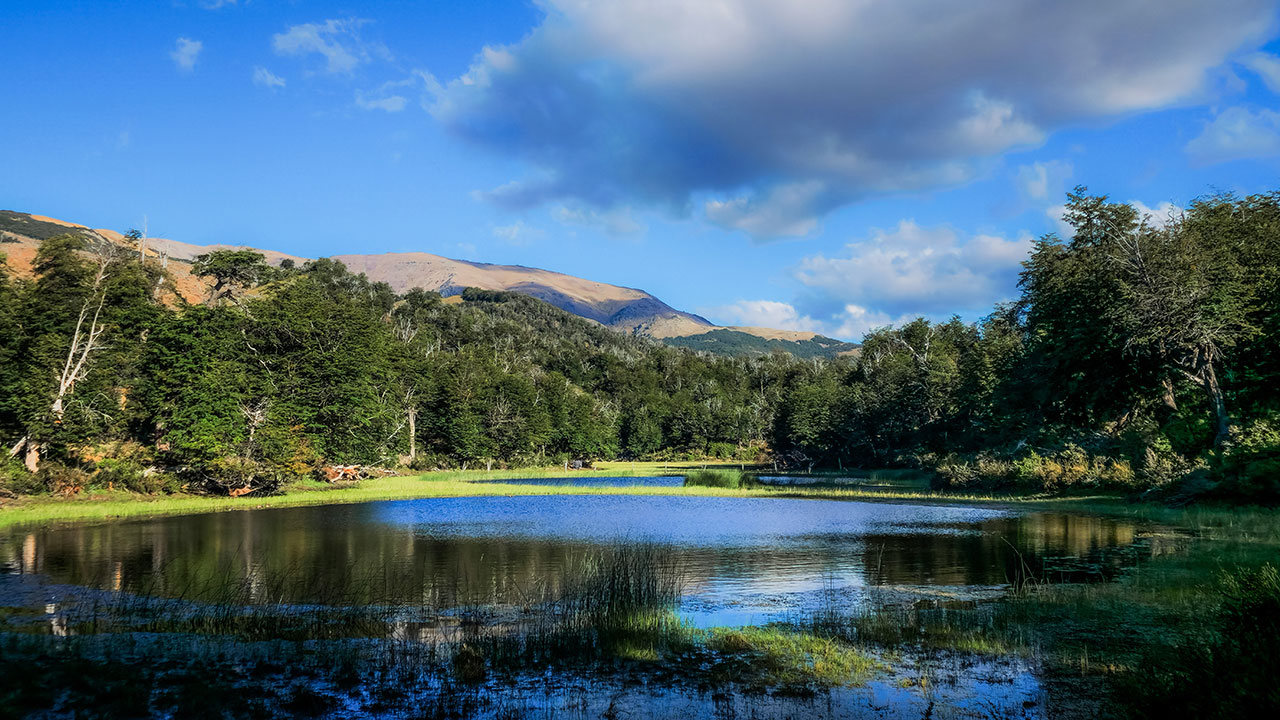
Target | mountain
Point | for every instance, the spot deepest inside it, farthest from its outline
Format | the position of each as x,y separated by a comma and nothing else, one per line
627,310
621,308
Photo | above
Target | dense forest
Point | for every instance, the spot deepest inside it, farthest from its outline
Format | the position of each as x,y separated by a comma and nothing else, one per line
1141,352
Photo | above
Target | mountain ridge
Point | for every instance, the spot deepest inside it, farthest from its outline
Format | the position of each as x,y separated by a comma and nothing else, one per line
624,309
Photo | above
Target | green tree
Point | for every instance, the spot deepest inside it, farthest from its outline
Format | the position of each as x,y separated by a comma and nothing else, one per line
232,271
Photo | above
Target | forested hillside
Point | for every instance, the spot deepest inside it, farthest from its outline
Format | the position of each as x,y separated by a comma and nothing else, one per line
727,341
1139,354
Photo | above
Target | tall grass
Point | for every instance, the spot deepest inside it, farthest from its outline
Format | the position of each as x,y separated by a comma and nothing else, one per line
729,478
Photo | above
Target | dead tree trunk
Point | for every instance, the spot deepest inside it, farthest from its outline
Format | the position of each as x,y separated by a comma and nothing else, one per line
1204,375
84,341
1216,401
413,433
30,451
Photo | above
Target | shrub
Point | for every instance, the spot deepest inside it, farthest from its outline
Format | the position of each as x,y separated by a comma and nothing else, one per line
1228,672
62,479
1068,468
1249,468
237,475
723,451
129,475
15,478
126,474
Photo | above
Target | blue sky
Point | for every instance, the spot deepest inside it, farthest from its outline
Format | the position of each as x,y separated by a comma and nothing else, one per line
826,165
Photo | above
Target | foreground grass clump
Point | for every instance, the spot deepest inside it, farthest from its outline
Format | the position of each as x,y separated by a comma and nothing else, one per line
1229,671
782,656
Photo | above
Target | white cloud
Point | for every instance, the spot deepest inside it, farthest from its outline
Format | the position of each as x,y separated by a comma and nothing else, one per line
785,211
1043,180
1061,226
216,4
517,233
850,322
615,221
265,78
1159,215
1267,66
855,321
892,278
916,270
338,41
185,53
391,103
1237,133
781,111
764,313
994,125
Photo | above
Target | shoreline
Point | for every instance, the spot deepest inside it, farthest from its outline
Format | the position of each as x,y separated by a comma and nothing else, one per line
119,505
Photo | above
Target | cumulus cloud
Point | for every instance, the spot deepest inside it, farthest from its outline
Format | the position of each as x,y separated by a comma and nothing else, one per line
1267,66
338,41
915,270
779,111
764,313
790,210
1237,133
185,53
263,77
850,322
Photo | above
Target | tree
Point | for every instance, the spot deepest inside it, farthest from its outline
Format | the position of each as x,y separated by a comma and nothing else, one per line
232,271
1186,299
82,288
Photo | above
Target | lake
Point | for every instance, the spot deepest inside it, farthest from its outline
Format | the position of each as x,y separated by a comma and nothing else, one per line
743,560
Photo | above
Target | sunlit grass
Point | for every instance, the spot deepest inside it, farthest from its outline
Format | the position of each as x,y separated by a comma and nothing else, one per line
781,656
467,483
730,478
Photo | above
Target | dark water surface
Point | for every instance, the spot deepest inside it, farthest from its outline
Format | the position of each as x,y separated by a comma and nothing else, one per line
744,559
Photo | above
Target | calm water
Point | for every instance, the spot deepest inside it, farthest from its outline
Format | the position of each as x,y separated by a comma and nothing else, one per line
745,559
598,481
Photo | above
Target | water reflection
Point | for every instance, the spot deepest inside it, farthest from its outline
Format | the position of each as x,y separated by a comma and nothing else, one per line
456,552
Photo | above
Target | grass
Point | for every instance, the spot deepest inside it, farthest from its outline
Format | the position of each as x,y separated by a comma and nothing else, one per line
784,657
731,478
103,505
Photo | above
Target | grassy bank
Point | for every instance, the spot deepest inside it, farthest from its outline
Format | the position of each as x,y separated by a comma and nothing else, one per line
104,505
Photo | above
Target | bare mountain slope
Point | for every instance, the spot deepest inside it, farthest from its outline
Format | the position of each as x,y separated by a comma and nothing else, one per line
624,309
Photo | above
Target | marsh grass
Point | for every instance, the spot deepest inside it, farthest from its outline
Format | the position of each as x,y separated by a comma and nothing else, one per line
726,478
788,657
